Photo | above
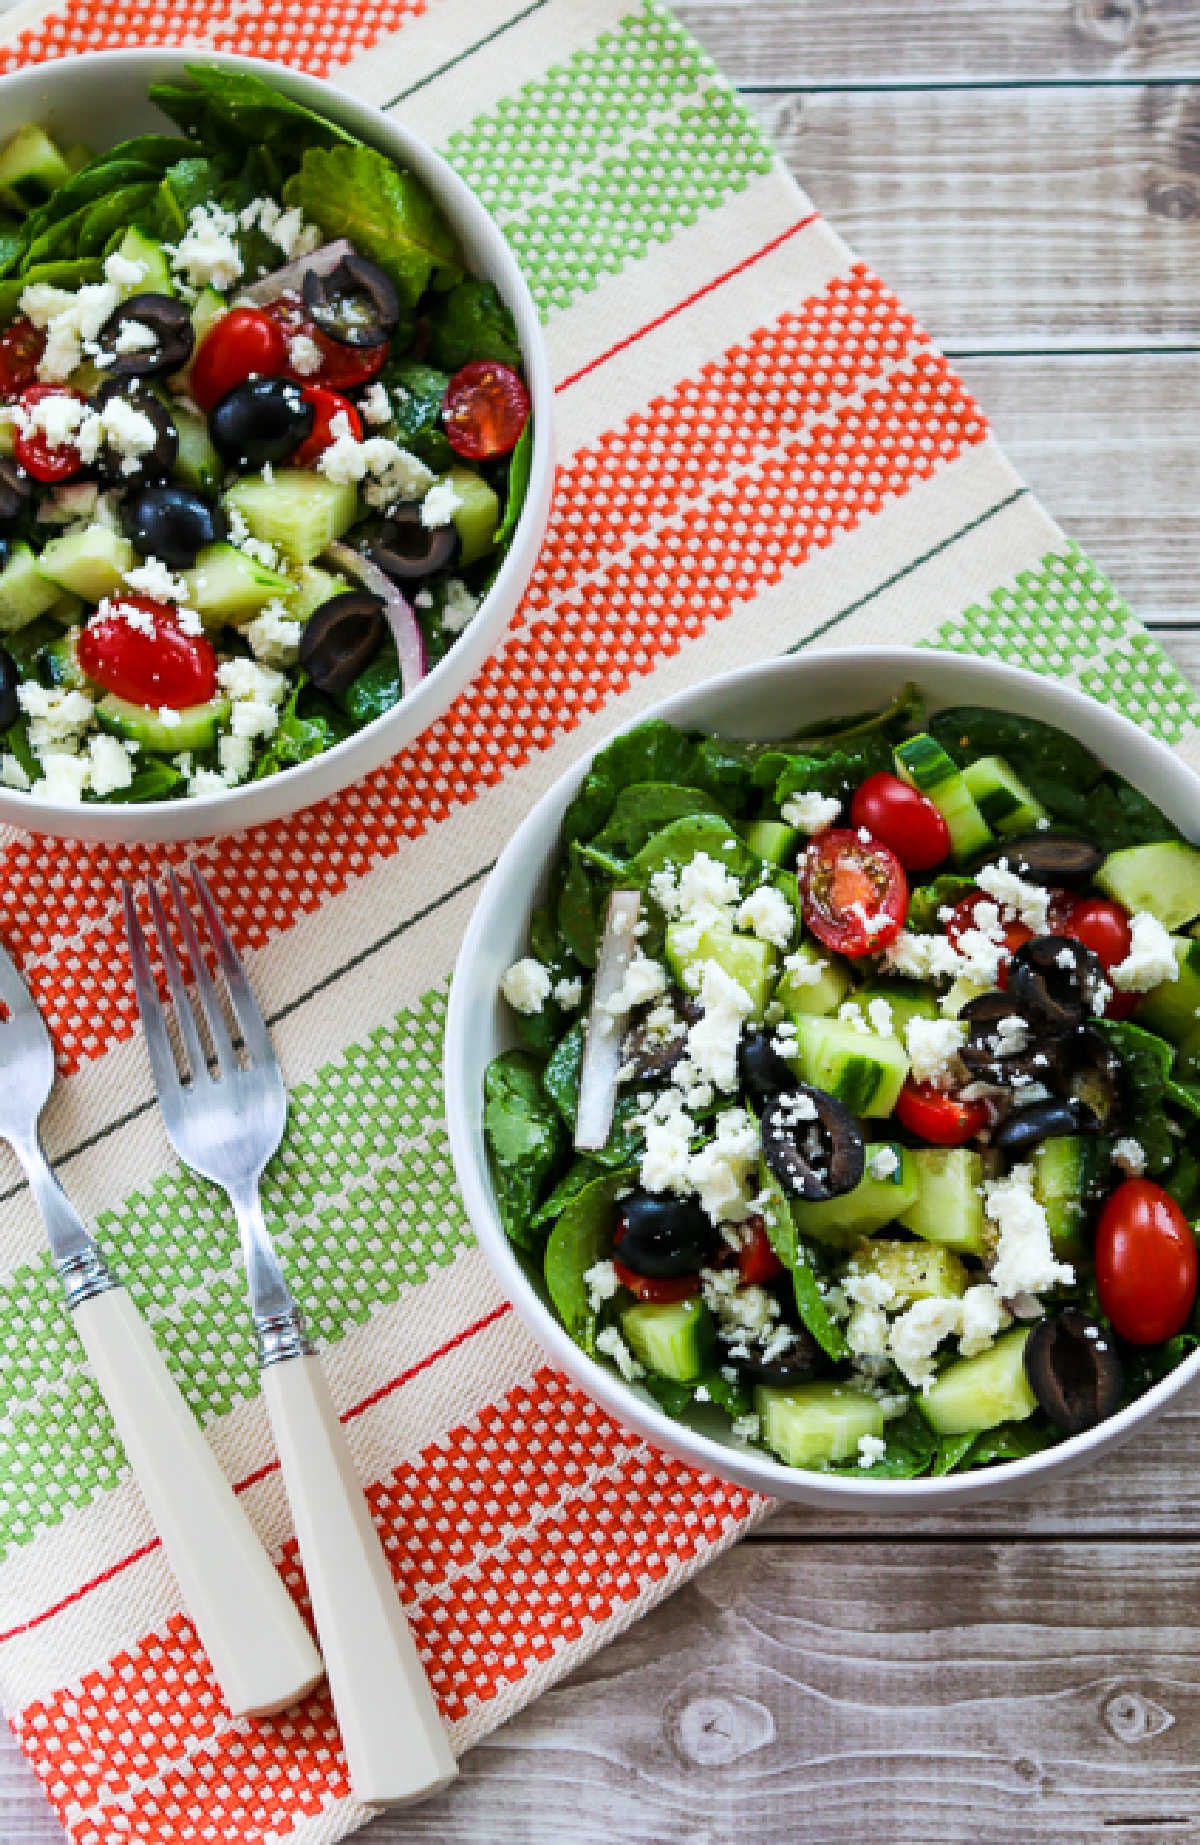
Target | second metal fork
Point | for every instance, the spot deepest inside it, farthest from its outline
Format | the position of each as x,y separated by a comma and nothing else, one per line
226,1123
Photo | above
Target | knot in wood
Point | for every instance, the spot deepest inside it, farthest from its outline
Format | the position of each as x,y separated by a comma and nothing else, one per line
712,1731
1132,1717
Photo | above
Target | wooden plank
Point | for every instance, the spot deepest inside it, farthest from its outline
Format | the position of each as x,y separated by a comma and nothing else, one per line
1109,445
890,41
1017,217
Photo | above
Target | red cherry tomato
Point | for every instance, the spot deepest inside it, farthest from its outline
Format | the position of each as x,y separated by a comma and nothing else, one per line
906,821
854,895
21,348
1014,933
245,343
326,406
1145,1262
757,1261
1101,926
662,1289
484,410
35,453
939,1118
341,366
163,666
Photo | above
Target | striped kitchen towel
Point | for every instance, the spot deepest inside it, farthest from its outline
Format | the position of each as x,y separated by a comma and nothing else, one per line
760,449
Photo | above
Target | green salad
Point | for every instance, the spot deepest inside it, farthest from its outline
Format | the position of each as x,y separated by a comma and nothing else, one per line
264,444
856,1108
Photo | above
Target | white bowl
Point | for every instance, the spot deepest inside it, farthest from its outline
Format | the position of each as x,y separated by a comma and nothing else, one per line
769,700
101,98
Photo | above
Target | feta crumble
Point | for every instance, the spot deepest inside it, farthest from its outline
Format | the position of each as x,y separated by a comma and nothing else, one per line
1025,1262
526,985
871,1448
1151,958
767,914
610,1342
933,1046
811,813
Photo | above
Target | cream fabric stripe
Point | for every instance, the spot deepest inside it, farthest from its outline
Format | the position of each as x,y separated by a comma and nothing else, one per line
451,1390
516,52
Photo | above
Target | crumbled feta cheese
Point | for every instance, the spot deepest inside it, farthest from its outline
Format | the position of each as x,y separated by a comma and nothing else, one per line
601,1283
207,253
440,504
274,635
917,1333
71,321
1130,1155
376,405
867,1332
246,679
135,336
767,913
644,980
868,1290
124,271
1025,1261
804,972
293,235
719,1172
1151,958
55,716
12,774
811,813
713,1040
64,776
305,356
870,1449
981,1318
235,755
1030,903
568,993
613,1346
879,1017
153,578
883,1163
129,431
933,1046
924,957
668,1134
459,606
745,1428
110,766
526,985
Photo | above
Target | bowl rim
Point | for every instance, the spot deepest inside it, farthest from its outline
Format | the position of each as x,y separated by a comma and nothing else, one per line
752,1467
214,814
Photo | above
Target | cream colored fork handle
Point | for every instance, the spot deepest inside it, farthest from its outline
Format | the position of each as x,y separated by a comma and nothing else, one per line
395,1744
259,1647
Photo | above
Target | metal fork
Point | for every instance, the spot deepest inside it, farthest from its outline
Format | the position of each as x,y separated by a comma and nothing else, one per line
226,1123
256,1642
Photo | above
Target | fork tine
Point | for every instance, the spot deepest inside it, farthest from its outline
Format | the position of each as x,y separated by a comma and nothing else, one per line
158,1043
209,998
255,1035
13,990
185,1017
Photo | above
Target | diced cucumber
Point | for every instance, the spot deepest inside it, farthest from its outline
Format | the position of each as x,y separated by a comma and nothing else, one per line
1163,878
905,1000
810,1425
925,766
310,589
24,591
58,662
744,958
772,840
858,1213
948,1207
299,510
960,993
136,247
1069,1172
1173,1009
978,1393
1001,796
864,1071
476,516
195,727
916,1271
197,463
208,308
803,998
674,1338
92,562
31,168
226,585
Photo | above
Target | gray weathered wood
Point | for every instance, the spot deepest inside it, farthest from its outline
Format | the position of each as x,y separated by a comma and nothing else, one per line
911,41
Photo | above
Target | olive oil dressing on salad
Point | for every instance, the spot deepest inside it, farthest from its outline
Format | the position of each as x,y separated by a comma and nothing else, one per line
263,445
857,1098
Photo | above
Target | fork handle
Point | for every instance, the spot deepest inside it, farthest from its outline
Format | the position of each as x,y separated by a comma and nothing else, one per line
395,1744
257,1644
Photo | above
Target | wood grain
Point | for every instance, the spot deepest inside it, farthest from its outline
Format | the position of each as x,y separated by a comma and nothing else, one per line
846,42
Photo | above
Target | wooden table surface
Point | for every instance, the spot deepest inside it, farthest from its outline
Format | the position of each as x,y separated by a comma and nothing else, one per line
1027,174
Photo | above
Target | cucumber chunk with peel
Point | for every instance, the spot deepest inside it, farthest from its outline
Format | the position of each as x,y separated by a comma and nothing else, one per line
812,1425
192,727
861,1069
925,766
743,957
674,1338
801,994
974,1394
25,592
227,585
92,563
1001,796
476,515
948,1207
916,1271
1163,878
31,168
873,1202
298,510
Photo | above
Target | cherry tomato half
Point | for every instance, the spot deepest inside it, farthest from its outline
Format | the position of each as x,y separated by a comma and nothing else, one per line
939,1118
484,410
854,895
326,406
45,460
148,662
662,1288
757,1261
1145,1262
341,366
245,343
905,820
1014,933
21,348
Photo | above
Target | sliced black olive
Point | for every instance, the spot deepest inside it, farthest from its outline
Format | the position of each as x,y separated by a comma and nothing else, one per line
173,523
265,419
355,304
341,638
762,1069
117,470
1026,1128
166,318
16,490
655,1053
1095,1076
983,1014
661,1236
1073,1370
1048,858
803,1361
1054,981
407,550
812,1143
10,678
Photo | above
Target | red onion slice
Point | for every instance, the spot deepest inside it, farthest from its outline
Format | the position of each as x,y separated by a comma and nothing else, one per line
606,1027
406,630
290,279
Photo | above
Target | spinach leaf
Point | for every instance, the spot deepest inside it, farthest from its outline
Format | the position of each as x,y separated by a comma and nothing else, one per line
904,716
308,725
525,1139
12,243
153,780
378,687
415,393
781,1230
736,1399
581,1238
108,173
577,911
1183,1180
951,1449
671,1396
677,843
560,1078
1185,1096
191,182
643,808
573,1181
657,752
516,488
68,275
1147,1062
386,213
788,772
470,321
1011,1441
910,1450
232,110
927,899
16,742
